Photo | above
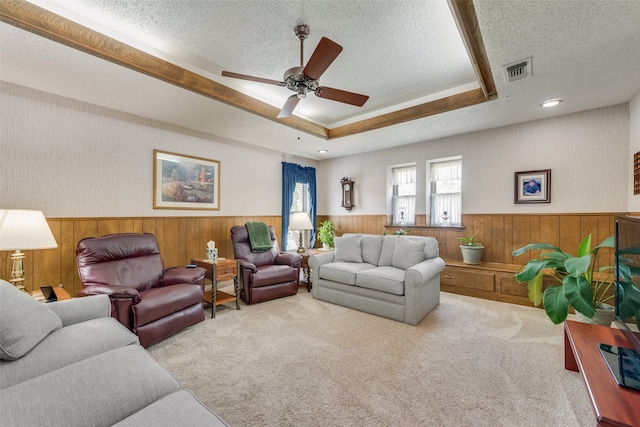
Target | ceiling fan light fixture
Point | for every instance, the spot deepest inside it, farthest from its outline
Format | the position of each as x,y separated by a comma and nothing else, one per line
305,78
551,102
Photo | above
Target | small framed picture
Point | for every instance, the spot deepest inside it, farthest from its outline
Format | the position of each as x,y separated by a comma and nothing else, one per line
533,186
185,182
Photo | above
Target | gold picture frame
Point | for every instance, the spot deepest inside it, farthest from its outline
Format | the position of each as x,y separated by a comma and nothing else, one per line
185,182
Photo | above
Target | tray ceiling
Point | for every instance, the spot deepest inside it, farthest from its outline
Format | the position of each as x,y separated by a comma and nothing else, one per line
427,66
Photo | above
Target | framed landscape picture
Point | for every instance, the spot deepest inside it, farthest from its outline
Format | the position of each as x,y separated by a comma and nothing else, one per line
185,182
533,186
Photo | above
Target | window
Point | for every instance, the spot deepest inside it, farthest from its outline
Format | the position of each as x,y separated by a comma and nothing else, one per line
300,201
298,182
403,202
445,192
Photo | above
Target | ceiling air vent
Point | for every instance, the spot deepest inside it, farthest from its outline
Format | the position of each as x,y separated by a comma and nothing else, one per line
517,71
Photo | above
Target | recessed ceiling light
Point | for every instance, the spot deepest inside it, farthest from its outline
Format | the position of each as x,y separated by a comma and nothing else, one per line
323,151
551,102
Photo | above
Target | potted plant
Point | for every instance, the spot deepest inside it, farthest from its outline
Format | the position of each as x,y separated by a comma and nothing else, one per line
326,233
398,232
471,249
579,285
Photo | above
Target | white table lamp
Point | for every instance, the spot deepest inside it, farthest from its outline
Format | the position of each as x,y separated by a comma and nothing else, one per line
300,221
23,230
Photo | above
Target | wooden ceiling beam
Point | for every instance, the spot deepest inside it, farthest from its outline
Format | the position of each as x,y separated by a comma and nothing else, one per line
54,27
59,29
453,102
464,13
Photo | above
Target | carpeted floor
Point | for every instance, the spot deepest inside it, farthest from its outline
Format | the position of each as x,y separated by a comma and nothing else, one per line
297,361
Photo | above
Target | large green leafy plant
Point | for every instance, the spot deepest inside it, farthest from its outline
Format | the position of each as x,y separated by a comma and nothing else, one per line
580,285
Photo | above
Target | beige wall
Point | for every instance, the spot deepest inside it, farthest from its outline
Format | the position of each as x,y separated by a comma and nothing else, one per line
587,153
72,159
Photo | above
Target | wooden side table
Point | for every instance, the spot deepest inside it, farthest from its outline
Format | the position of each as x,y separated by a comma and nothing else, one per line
220,270
61,294
305,264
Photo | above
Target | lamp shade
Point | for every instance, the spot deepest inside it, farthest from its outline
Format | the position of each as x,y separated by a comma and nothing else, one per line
24,230
300,221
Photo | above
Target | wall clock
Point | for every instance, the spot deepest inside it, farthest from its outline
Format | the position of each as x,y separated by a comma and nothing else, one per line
347,193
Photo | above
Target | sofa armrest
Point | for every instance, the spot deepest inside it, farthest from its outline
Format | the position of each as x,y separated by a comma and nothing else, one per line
423,271
177,275
78,310
317,260
114,292
284,258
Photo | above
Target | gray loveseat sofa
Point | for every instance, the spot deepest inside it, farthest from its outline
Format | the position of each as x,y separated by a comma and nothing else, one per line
397,277
69,363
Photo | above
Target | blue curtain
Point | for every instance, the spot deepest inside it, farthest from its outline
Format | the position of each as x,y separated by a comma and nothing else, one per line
291,175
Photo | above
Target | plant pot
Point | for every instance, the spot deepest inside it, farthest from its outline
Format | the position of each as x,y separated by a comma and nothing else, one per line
325,247
471,254
603,317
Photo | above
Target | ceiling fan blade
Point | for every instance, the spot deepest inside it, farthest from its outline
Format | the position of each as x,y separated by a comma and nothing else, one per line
289,106
326,52
342,96
251,78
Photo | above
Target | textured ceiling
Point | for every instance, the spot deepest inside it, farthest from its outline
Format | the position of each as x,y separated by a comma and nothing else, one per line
400,53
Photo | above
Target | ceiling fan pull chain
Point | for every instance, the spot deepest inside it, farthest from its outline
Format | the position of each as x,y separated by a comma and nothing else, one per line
299,108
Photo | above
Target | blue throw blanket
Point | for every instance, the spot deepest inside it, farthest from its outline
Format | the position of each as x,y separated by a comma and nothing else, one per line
259,236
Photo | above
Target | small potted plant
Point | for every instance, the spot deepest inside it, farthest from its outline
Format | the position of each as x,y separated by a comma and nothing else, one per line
398,232
326,233
471,249
579,284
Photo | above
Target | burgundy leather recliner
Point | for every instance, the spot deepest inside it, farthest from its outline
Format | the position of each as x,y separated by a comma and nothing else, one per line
264,275
150,301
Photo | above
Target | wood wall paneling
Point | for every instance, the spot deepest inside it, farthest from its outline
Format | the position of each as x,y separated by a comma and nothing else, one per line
183,238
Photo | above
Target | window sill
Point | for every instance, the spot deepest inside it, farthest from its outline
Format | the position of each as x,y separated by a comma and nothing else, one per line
425,227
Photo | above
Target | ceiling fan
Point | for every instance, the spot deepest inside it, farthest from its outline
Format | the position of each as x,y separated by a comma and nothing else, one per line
304,79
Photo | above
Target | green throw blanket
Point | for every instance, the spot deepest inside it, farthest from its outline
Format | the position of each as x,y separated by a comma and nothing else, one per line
259,236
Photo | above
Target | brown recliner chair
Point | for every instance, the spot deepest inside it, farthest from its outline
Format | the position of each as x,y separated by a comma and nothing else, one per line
264,275
150,301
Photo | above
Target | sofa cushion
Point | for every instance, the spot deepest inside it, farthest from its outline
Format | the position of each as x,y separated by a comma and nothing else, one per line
177,409
371,247
406,253
430,245
24,322
342,272
384,279
386,252
102,390
348,249
65,346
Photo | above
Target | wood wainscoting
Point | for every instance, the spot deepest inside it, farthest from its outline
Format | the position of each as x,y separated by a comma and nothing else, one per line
183,238
180,239
501,234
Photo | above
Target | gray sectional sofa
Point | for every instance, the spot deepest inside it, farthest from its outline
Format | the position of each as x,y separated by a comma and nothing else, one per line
69,363
397,277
